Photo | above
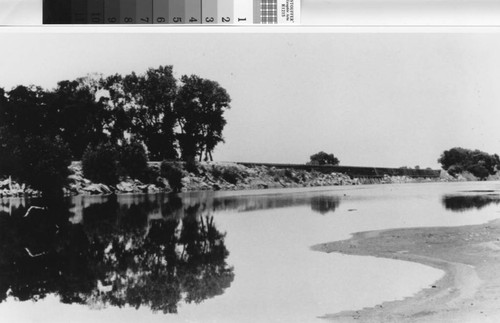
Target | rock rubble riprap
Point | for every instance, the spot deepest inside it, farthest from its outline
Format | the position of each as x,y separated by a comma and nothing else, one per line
211,176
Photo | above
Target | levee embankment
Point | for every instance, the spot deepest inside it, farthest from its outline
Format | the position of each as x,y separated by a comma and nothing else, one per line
232,176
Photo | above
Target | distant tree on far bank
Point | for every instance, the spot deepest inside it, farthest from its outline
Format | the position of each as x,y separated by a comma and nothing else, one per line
323,158
479,163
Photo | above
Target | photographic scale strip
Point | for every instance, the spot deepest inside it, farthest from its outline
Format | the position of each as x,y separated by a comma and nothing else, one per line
201,12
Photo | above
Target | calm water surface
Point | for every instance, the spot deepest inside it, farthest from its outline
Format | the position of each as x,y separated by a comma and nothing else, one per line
218,257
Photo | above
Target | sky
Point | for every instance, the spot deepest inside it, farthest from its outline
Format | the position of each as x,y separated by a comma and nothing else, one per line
386,99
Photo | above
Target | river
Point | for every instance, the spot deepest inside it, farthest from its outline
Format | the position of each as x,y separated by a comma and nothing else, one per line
219,256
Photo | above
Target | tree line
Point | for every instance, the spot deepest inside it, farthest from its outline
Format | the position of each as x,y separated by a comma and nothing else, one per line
171,118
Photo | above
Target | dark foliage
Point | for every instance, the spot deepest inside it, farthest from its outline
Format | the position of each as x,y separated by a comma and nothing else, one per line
152,175
79,119
477,162
230,175
93,110
143,105
199,107
44,163
9,152
323,158
227,173
100,163
191,166
173,173
479,171
133,160
39,161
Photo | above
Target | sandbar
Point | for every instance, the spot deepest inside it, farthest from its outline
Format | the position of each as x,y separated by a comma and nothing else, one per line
469,255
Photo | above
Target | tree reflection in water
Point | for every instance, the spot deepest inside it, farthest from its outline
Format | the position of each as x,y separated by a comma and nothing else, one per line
139,250
462,203
116,254
324,203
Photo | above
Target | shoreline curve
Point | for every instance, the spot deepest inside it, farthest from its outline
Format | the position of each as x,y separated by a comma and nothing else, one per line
469,290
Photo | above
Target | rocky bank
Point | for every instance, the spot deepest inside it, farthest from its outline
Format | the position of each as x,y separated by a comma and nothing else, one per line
213,176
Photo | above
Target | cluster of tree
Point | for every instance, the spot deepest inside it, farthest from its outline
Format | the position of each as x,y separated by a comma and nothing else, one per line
323,158
172,118
479,163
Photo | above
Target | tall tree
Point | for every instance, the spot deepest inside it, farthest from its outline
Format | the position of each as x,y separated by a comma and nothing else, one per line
117,103
24,111
79,116
200,106
146,102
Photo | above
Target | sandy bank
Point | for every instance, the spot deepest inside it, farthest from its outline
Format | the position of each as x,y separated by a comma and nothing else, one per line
468,292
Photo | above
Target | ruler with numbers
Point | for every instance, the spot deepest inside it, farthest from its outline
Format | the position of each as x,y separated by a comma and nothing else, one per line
171,12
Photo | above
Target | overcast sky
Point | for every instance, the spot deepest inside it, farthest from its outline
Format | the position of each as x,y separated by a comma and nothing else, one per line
373,99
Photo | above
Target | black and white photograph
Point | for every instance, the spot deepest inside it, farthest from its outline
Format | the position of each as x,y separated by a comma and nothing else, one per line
249,175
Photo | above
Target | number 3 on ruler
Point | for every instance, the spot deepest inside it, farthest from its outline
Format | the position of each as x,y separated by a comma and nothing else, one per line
209,19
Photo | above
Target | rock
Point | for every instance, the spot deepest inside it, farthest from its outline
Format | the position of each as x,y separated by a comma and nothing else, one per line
75,178
97,189
152,189
256,184
125,187
5,184
92,189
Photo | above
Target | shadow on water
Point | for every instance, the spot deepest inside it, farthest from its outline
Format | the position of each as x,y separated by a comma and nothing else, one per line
156,251
112,253
462,203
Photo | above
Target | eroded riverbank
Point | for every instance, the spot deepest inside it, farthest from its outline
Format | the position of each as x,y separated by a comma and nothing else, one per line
469,255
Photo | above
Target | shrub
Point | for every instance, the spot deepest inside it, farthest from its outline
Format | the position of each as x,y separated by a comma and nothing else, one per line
10,146
43,163
191,166
173,174
216,172
479,171
151,174
230,175
133,160
99,163
289,173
